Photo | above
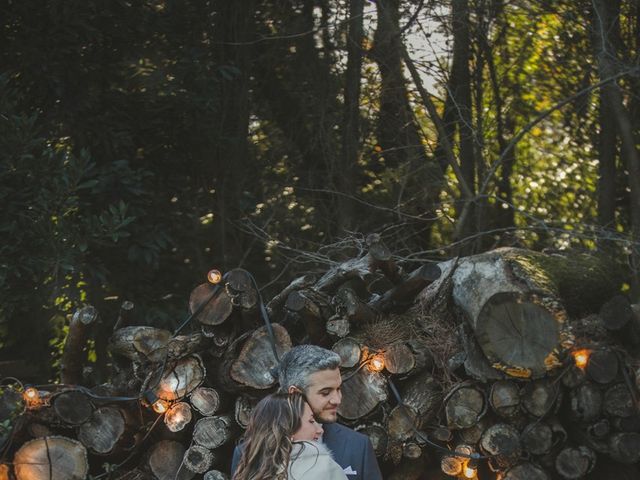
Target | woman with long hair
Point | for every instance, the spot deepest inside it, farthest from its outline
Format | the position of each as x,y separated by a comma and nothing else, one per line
282,443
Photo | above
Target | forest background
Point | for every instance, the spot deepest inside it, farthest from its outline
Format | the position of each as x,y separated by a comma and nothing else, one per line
144,142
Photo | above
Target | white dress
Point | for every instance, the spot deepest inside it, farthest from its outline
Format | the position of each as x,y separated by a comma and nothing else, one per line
313,461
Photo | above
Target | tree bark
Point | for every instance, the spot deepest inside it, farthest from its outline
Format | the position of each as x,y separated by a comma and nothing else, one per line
515,302
73,355
606,17
346,173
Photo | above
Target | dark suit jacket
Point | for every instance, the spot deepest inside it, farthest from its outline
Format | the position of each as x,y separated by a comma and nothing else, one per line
352,450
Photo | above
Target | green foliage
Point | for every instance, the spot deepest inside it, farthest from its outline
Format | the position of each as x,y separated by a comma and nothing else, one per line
143,143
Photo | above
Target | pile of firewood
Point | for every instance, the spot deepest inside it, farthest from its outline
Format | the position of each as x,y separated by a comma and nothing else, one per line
511,364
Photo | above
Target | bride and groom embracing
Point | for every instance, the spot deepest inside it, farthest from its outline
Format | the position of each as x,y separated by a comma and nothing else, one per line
293,434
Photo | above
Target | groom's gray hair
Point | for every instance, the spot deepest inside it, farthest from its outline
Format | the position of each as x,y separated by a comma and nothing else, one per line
302,361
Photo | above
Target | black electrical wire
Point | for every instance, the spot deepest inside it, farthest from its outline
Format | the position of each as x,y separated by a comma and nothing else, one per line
265,318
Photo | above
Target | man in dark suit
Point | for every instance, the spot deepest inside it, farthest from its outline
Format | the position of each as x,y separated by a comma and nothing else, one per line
315,372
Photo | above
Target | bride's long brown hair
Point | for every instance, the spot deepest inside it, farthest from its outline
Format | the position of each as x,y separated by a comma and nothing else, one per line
267,441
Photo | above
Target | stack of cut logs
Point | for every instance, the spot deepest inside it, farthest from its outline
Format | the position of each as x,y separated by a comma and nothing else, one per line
511,364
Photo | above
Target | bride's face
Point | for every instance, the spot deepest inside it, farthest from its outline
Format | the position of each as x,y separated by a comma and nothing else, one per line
309,428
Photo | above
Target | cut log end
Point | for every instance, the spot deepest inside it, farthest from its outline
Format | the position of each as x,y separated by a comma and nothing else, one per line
518,331
103,431
166,461
51,458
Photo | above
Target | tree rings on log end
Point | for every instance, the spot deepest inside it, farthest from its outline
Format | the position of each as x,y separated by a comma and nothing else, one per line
212,432
166,461
103,431
399,359
401,423
519,331
625,447
205,400
618,401
378,436
362,392
575,462
51,458
502,441
198,459
253,366
585,402
72,407
349,351
537,438
602,366
214,310
140,342
540,397
464,406
505,398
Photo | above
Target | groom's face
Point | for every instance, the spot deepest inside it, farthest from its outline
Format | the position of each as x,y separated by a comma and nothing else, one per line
324,395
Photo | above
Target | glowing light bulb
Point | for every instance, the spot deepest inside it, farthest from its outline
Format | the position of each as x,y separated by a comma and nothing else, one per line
160,406
376,364
581,357
32,398
214,276
470,472
31,393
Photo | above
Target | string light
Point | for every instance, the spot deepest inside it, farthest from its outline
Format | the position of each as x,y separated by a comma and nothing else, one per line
214,276
581,357
32,398
376,363
470,471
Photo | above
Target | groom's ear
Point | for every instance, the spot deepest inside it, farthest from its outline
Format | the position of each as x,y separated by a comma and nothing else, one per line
294,389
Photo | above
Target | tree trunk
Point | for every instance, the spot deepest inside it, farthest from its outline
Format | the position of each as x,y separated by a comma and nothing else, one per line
234,29
515,302
397,131
460,88
73,355
606,18
346,173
